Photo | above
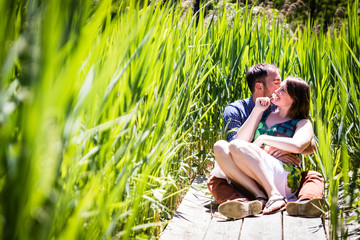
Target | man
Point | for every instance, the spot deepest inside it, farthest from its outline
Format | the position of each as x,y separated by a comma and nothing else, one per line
263,79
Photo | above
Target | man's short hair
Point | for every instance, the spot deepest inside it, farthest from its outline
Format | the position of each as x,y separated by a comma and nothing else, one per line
258,73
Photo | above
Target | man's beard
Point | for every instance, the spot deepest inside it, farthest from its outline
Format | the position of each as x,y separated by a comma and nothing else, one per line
267,92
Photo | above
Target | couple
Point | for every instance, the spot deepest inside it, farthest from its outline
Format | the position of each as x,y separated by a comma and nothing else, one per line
264,134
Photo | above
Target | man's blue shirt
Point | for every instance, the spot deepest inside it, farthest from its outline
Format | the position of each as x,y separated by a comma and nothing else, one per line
235,115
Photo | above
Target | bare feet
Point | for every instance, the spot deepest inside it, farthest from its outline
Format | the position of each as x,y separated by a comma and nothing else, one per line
274,204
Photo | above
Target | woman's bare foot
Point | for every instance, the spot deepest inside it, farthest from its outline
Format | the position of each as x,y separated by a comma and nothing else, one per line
274,204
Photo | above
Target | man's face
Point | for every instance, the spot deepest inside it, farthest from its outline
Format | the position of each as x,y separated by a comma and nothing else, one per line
273,81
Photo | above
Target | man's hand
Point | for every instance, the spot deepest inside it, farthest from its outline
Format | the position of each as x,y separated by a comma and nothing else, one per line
284,156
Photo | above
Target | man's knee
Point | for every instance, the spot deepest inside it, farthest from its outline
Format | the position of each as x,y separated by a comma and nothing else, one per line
312,185
210,183
313,175
214,182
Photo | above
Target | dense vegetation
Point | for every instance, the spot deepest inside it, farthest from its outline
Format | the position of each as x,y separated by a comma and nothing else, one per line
299,11
108,111
296,12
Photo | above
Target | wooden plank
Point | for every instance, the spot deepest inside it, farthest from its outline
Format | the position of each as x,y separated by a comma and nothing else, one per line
191,219
223,229
353,231
303,228
262,227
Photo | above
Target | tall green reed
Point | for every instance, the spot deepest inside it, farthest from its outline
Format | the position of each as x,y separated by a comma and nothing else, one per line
115,110
90,152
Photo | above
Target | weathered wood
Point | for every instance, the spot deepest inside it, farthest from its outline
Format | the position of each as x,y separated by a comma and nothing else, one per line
351,231
262,227
222,229
303,228
191,219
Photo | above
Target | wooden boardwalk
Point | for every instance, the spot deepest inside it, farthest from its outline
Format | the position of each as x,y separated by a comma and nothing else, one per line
193,220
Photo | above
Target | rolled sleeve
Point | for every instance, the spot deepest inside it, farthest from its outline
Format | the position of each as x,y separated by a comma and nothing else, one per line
233,120
235,115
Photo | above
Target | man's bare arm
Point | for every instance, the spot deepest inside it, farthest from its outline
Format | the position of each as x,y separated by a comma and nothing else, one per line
284,156
287,157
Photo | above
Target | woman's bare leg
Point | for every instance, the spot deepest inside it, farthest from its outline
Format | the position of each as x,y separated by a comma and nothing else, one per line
247,157
251,164
224,158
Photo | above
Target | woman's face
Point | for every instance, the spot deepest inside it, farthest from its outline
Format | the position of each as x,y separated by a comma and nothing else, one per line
282,97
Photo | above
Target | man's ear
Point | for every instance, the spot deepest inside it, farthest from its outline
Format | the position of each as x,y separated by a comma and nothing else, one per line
259,86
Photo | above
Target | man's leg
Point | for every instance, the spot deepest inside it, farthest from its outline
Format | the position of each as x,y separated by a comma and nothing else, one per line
310,196
312,186
232,203
222,191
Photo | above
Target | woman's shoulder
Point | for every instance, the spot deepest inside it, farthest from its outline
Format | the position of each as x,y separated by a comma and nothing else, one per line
303,122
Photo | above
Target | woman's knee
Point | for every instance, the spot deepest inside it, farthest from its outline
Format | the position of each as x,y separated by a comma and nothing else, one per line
238,146
221,147
243,151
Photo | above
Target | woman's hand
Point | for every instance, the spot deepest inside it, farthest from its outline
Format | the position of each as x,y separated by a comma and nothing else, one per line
262,103
247,130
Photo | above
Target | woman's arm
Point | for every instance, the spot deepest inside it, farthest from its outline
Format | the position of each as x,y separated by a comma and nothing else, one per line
247,130
310,149
296,144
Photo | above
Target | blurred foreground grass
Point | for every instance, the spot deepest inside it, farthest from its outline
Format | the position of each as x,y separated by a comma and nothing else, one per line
107,112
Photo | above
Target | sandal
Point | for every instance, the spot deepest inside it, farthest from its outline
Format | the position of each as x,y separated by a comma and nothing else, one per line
271,202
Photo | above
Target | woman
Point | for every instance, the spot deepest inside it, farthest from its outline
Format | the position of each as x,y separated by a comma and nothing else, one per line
288,128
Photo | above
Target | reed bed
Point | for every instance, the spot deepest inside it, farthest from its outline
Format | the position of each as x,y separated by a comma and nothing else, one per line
109,109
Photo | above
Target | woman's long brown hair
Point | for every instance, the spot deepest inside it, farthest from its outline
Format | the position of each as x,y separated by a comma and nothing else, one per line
299,91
